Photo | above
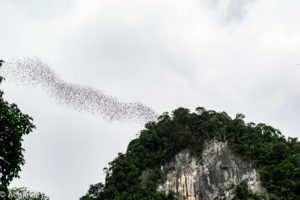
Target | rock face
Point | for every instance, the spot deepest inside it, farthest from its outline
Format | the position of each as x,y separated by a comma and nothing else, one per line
211,177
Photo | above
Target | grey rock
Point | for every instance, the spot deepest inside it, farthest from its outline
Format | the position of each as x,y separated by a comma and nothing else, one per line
210,177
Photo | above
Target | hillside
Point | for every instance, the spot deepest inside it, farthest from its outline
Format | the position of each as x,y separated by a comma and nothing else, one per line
256,151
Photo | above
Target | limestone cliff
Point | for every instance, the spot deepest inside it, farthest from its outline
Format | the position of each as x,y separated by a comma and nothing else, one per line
211,177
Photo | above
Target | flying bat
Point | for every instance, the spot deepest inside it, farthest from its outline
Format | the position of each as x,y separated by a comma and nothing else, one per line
1,61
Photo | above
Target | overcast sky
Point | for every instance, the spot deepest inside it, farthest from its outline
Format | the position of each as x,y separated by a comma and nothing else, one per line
238,56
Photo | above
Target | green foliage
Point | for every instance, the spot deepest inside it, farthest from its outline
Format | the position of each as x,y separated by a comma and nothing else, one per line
277,158
94,191
224,167
242,192
13,125
24,194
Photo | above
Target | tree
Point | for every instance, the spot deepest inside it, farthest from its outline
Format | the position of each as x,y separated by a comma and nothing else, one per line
94,192
242,192
13,125
200,110
240,116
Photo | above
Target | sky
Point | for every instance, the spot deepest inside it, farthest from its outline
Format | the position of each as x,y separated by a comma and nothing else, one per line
237,56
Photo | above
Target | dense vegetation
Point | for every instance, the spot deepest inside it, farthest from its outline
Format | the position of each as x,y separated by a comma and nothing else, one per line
277,158
242,192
